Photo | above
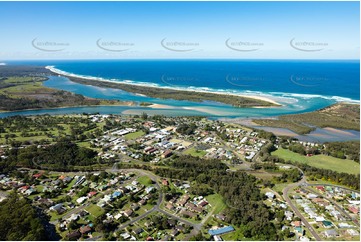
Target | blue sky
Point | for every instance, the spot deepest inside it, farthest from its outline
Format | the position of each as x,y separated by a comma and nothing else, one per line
254,30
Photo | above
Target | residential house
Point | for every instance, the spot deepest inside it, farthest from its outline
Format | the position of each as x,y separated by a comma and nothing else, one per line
117,216
320,188
37,175
167,154
327,224
74,235
194,208
30,191
149,189
187,213
138,230
59,208
296,223
142,202
174,232
116,194
183,200
92,193
128,212
203,203
169,206
311,196
331,233
81,200
354,209
46,201
165,182
220,217
221,231
67,179
125,236
135,206
353,232
85,229
270,195
288,215
320,202
319,218
344,225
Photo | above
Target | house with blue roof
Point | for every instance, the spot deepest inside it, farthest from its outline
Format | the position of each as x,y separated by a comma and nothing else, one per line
220,231
116,194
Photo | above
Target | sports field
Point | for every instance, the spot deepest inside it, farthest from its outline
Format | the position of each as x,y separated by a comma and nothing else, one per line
321,161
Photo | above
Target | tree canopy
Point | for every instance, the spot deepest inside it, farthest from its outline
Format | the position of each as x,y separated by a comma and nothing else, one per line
19,220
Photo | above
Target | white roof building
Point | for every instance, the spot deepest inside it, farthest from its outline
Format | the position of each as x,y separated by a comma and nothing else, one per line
81,199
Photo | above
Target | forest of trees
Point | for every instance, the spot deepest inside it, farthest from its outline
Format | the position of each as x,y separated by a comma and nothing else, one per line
243,198
343,150
186,129
342,178
61,156
19,220
352,181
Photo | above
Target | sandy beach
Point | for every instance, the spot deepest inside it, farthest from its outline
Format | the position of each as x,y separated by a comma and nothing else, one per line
63,73
208,110
338,131
161,106
199,109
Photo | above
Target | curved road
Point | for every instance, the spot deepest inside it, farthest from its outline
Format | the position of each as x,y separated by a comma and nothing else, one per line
154,178
286,191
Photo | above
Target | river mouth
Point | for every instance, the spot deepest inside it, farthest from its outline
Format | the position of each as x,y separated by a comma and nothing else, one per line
290,105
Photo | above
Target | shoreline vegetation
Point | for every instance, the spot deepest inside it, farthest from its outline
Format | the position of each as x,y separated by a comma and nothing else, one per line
339,115
241,101
21,88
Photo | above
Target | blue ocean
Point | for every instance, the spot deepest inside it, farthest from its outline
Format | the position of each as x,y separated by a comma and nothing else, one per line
299,85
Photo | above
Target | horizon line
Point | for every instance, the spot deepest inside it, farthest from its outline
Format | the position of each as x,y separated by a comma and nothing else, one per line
91,59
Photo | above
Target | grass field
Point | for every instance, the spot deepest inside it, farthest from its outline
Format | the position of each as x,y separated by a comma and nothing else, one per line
19,93
55,216
22,139
321,161
84,144
144,180
134,135
194,152
70,185
279,187
94,210
217,203
264,175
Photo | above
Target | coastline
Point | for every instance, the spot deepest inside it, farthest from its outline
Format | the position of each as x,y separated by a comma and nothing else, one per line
63,107
264,102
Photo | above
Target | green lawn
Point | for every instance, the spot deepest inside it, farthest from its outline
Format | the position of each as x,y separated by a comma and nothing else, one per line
236,235
278,187
22,139
321,161
194,152
39,188
217,203
55,216
70,185
134,135
94,210
84,144
144,180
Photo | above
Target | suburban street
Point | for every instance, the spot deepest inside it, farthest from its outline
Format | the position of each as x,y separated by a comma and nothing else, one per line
156,208
356,222
286,191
